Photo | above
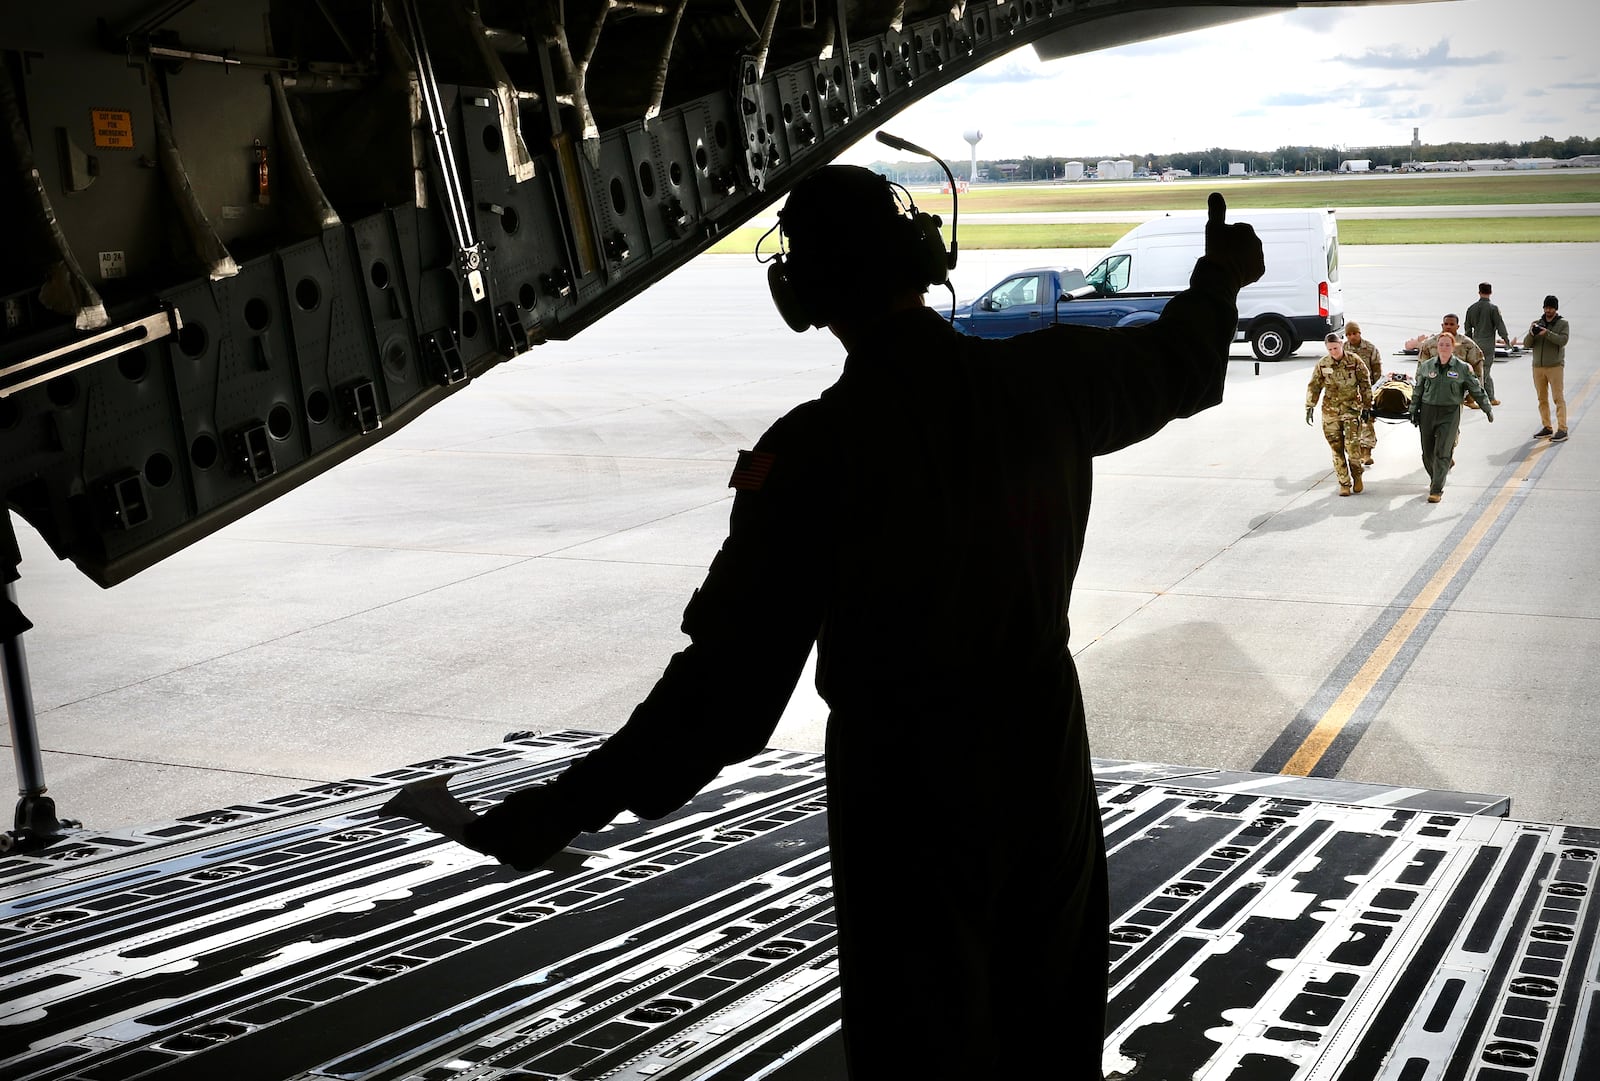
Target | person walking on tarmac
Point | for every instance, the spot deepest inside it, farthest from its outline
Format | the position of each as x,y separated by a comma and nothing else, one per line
1484,324
1466,350
921,522
1342,381
1365,351
1442,383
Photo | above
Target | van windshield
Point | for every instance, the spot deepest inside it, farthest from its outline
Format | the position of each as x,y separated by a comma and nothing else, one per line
1110,275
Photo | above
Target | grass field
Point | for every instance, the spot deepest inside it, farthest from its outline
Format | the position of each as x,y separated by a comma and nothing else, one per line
1461,189
1584,229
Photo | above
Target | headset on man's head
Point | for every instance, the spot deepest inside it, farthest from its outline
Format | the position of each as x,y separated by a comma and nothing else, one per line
805,295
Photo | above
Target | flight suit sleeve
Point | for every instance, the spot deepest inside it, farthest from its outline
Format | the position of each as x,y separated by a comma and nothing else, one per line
1123,385
751,625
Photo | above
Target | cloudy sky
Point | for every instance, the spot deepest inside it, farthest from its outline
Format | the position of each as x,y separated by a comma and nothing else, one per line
1350,77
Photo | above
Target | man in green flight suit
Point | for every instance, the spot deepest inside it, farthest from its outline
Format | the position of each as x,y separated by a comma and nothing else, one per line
1342,381
1484,324
921,522
1442,383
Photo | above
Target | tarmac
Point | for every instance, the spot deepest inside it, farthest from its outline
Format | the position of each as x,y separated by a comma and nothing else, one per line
518,560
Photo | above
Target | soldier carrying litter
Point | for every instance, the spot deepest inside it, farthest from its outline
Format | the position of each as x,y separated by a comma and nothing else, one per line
1342,381
1362,349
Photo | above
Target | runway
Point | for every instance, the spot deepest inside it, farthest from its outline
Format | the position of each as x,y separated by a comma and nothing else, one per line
519,558
1352,213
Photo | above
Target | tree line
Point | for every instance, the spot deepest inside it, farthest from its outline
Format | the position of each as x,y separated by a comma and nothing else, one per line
1215,161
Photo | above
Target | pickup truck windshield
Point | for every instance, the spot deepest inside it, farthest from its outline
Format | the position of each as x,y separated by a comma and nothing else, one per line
1110,275
1019,290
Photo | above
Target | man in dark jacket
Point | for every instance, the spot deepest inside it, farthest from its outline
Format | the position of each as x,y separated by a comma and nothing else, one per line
921,522
1547,356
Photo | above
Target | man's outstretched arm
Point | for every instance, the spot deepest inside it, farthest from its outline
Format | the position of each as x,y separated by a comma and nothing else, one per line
1123,385
751,626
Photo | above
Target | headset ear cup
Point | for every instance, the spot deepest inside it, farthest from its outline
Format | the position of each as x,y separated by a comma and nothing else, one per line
789,303
932,261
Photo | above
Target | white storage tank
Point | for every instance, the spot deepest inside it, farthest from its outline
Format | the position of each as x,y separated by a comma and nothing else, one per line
1107,170
1074,170
1124,168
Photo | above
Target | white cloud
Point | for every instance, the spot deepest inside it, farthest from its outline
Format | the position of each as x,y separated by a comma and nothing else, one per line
1353,76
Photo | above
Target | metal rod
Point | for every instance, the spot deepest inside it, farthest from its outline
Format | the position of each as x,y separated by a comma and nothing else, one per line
86,351
19,709
842,28
427,83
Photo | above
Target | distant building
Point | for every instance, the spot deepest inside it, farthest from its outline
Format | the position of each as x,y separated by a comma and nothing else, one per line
1355,165
1236,168
1074,170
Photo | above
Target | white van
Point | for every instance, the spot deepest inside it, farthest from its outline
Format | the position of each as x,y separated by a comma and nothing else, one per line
1298,300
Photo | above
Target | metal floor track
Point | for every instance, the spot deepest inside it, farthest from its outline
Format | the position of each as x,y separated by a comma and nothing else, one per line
1265,928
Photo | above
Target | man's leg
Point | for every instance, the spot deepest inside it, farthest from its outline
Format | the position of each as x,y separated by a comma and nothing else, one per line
1426,432
1541,392
1488,374
1448,430
1354,451
1333,432
1557,377
945,982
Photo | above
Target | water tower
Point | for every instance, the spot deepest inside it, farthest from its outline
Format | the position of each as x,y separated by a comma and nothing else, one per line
973,137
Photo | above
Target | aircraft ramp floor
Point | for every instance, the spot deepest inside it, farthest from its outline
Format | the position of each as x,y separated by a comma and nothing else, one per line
1265,928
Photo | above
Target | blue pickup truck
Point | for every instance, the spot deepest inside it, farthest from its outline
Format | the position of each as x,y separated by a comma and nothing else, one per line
1035,298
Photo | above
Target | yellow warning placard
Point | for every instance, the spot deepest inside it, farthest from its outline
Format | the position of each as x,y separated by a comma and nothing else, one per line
113,128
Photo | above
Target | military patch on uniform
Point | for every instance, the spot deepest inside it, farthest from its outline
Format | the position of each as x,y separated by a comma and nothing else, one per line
750,471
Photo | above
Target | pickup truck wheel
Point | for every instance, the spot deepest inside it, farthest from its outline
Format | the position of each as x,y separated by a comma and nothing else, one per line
1271,340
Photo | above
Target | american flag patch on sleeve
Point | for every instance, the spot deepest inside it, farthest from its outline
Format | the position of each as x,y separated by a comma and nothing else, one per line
750,471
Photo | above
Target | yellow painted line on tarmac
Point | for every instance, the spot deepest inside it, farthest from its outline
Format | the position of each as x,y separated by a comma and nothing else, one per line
1332,722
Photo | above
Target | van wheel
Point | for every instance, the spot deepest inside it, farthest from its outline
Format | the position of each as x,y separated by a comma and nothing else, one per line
1271,340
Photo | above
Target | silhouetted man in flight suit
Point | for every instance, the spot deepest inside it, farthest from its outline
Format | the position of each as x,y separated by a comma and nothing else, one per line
921,522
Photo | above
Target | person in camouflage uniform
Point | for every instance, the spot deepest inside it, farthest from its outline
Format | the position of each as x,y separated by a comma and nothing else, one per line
1359,347
1342,381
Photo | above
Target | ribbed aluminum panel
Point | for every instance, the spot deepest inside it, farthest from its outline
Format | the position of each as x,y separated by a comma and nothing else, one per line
1259,932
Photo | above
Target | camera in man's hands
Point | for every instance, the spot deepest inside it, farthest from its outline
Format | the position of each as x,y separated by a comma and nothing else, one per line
1536,327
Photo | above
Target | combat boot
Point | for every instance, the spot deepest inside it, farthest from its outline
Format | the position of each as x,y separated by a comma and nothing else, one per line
1344,489
1355,483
